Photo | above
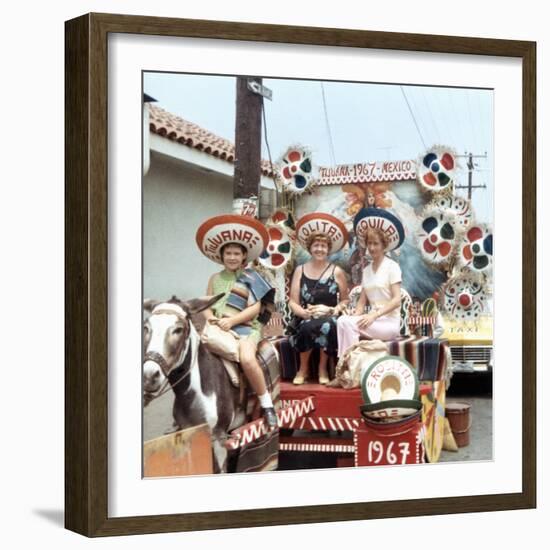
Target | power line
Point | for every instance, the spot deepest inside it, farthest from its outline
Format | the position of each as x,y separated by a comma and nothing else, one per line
459,127
471,166
327,124
413,117
430,116
267,144
470,117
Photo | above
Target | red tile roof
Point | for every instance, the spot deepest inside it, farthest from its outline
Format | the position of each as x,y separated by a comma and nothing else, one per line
192,135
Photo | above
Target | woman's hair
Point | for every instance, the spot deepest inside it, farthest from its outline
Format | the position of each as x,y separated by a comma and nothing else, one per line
380,234
222,249
317,236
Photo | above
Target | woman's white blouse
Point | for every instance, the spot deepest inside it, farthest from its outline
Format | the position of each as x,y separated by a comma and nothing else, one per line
378,285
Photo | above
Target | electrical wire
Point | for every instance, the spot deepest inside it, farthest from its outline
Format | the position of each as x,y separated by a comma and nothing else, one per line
431,118
267,145
327,124
413,117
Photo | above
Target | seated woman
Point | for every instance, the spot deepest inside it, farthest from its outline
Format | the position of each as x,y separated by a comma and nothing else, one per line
245,292
318,293
381,284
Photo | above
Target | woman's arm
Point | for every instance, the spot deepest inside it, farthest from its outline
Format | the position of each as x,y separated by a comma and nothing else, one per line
361,303
342,282
294,301
393,303
368,318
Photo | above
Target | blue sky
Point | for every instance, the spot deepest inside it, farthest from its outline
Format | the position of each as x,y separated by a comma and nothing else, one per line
354,122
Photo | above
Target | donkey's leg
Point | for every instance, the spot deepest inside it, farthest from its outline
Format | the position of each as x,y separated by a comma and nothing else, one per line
219,453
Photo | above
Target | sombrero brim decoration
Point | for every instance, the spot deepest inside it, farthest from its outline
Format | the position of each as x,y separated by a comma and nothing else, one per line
476,250
326,224
437,235
390,388
378,218
464,296
436,169
218,231
278,252
391,408
389,371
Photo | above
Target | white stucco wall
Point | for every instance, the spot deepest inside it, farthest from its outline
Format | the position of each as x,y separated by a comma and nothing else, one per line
182,188
177,198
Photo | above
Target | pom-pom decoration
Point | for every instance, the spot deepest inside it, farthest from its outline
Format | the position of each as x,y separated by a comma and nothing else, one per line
283,218
295,170
476,249
436,169
437,236
459,208
278,252
464,296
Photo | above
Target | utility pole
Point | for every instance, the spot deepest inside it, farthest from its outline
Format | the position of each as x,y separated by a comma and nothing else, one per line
248,146
470,164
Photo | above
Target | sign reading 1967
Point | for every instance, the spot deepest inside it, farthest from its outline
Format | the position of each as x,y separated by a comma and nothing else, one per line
365,172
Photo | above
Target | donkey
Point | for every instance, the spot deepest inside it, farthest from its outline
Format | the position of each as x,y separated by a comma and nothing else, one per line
173,354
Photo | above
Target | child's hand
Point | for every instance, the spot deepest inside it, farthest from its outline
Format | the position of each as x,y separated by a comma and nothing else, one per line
225,324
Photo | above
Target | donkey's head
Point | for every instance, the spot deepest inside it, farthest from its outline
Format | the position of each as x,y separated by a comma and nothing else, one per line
168,334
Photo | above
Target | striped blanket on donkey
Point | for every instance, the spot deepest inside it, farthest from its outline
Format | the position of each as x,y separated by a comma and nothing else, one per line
255,449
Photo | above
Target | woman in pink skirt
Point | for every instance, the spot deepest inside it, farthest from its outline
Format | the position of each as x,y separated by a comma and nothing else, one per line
381,289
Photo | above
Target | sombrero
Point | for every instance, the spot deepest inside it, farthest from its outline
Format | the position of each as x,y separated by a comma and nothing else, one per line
215,232
378,218
390,388
325,224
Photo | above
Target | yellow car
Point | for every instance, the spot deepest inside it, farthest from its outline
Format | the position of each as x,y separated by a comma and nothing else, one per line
471,343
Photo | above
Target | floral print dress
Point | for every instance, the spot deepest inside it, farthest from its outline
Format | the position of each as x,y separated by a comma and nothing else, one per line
317,333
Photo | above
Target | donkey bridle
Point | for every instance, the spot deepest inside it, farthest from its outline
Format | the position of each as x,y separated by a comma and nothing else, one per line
158,358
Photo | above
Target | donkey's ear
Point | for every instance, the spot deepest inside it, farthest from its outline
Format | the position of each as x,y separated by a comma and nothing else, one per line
149,304
200,304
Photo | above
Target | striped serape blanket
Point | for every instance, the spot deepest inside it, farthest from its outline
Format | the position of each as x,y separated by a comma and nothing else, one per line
427,355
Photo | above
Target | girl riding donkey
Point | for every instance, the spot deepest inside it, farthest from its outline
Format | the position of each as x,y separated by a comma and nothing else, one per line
234,241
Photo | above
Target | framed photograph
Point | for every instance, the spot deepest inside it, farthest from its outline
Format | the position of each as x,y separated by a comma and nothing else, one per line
211,164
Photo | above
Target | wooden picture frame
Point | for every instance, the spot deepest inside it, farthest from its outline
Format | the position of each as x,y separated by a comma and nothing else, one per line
86,283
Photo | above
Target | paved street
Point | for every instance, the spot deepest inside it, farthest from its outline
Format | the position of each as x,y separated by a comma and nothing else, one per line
474,389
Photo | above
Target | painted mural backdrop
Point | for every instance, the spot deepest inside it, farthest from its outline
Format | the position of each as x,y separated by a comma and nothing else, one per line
445,257
404,199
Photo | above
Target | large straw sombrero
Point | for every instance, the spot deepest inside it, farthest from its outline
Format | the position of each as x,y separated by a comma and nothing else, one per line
390,389
378,218
218,231
324,224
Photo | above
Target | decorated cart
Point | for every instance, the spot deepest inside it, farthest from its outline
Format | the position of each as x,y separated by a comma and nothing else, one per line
388,408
